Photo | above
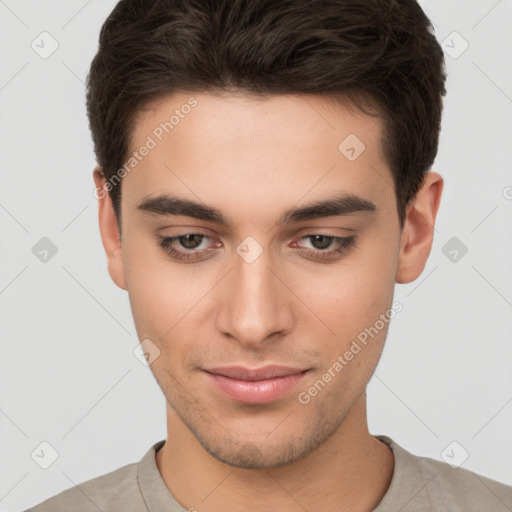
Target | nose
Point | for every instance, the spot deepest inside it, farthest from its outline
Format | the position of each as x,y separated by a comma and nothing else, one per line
256,305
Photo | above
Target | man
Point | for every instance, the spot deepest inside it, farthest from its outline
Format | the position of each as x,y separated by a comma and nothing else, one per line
263,182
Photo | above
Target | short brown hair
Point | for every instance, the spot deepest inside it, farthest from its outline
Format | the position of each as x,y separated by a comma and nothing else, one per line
378,53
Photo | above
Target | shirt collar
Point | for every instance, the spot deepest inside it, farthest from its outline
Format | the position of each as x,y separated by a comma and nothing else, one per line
408,489
155,493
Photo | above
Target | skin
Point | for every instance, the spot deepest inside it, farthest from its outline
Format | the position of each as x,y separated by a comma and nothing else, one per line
253,159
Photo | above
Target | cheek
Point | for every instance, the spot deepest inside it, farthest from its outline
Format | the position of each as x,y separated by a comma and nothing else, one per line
351,295
156,294
164,296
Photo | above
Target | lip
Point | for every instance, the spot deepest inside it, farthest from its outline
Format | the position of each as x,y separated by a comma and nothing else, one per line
255,385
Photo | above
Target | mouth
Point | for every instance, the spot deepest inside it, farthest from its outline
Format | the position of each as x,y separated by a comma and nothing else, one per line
255,386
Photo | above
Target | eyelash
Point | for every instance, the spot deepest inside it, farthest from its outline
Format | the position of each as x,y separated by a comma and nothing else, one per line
343,245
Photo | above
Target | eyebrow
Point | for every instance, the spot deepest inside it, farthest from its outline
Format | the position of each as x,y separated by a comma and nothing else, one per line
343,204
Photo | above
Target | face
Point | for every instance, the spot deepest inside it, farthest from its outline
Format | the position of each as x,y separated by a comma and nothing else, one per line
252,296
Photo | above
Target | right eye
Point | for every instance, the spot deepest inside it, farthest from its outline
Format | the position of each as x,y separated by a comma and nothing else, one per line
185,247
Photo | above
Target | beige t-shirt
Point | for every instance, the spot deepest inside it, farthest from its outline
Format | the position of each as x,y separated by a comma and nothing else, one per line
419,484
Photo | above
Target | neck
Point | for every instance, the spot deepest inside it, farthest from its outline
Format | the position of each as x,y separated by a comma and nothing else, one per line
351,470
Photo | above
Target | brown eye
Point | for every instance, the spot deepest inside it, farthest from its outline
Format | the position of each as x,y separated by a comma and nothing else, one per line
322,246
190,241
321,241
186,247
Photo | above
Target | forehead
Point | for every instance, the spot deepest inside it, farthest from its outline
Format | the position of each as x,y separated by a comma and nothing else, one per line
242,117
243,151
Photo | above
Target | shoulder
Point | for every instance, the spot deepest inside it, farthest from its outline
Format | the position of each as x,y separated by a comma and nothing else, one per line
117,490
466,489
435,485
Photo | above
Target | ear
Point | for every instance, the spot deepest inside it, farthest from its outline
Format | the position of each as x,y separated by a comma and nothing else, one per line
418,231
109,231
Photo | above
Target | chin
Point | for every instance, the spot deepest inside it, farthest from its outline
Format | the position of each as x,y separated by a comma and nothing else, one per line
247,455
269,451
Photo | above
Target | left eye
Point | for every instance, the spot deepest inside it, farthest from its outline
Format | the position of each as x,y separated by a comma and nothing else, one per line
191,249
322,243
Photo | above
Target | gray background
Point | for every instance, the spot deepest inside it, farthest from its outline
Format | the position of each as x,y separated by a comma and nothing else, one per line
68,375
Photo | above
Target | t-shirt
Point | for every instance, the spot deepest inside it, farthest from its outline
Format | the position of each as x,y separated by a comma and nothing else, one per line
419,484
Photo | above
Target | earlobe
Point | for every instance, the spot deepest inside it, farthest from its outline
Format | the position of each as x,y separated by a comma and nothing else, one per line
418,232
109,231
